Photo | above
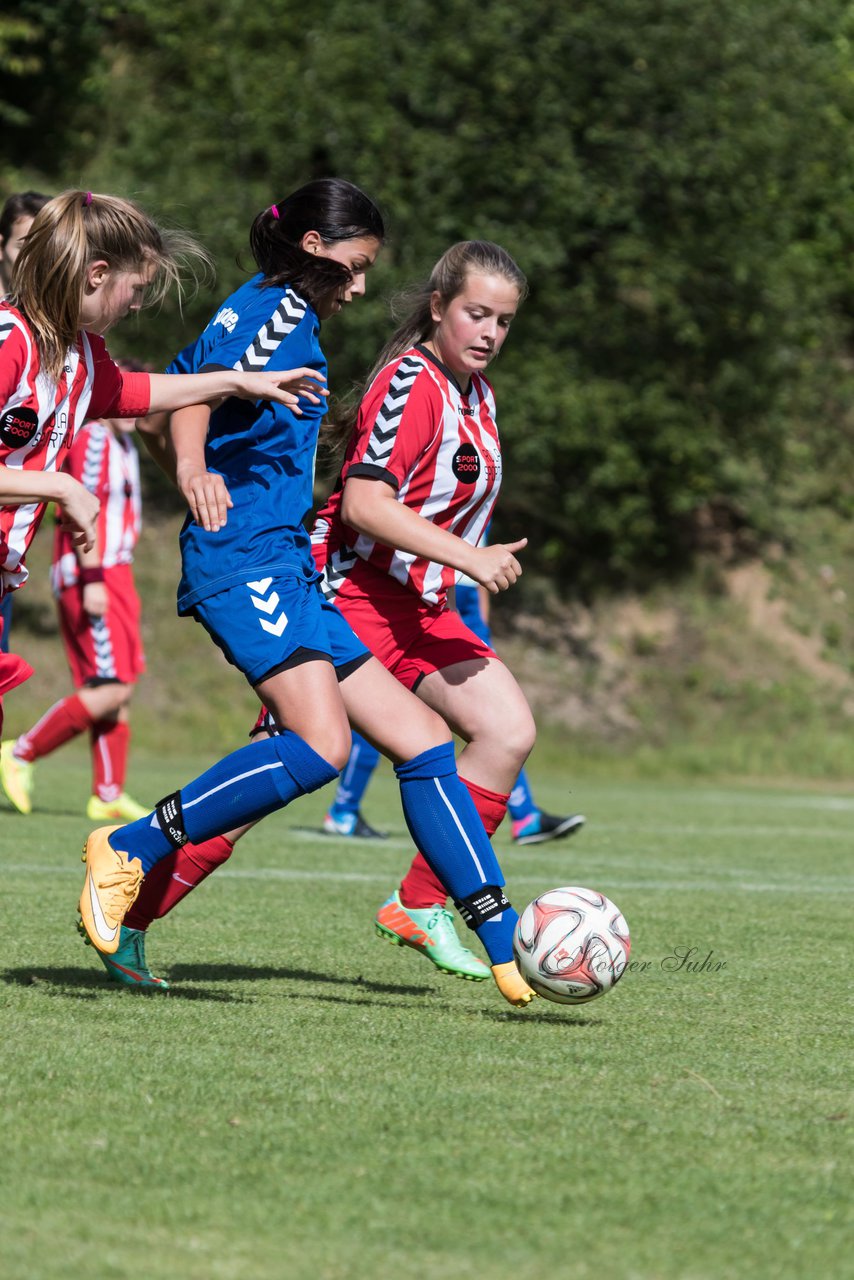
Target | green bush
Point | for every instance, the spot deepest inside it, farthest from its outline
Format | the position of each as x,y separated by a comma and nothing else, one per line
675,177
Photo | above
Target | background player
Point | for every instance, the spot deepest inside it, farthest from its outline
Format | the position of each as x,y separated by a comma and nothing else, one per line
344,815
99,615
531,824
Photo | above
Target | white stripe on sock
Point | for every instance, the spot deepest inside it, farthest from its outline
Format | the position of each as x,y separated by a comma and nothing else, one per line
452,811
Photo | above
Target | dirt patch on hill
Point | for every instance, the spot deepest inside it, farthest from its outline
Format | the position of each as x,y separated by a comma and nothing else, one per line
606,669
752,586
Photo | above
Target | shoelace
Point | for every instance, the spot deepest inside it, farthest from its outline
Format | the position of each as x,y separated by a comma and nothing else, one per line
119,889
436,919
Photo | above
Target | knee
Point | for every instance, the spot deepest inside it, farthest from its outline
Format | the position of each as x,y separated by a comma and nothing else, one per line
333,743
526,736
119,695
433,728
514,733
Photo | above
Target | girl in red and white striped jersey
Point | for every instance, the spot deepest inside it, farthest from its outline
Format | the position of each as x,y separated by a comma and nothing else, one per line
87,261
99,616
417,488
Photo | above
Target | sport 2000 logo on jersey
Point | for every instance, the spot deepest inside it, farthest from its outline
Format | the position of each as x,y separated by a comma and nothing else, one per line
18,427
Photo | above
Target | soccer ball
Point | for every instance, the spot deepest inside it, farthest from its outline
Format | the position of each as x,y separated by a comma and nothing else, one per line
571,945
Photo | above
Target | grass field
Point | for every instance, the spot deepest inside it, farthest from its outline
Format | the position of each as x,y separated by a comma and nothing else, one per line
309,1103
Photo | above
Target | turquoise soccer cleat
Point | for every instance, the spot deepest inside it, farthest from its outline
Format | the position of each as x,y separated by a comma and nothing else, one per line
127,964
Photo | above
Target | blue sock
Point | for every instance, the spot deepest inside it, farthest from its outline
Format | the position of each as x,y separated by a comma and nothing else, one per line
521,803
445,826
355,777
246,785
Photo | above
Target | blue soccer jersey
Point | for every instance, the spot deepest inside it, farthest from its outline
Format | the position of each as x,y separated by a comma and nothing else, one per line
264,452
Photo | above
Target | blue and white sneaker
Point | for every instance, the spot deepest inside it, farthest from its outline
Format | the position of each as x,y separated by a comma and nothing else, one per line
350,824
539,827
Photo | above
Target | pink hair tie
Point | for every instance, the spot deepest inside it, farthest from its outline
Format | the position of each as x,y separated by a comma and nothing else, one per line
274,212
88,199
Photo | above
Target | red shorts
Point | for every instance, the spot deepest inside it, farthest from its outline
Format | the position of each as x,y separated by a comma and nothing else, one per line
103,649
13,671
411,639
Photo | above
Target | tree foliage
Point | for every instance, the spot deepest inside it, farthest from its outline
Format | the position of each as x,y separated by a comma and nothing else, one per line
675,176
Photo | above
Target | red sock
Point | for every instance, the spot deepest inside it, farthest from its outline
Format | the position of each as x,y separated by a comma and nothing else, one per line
420,887
110,743
172,878
60,724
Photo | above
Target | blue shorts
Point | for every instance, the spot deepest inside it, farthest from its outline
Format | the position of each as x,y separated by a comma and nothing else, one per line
273,624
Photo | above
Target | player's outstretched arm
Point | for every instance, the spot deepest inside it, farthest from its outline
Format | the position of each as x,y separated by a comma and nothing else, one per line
370,507
180,390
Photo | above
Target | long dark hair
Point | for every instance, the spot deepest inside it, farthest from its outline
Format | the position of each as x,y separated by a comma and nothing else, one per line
22,204
337,211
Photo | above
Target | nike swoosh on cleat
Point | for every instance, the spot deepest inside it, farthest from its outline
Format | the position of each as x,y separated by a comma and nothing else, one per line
101,926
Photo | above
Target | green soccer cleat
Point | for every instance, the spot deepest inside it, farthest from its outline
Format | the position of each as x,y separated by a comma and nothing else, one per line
128,964
431,931
123,809
16,777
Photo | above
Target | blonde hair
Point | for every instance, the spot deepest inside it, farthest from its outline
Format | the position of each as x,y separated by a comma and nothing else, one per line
74,230
448,279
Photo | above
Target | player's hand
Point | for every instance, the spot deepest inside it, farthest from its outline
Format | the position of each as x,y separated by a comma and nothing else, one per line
496,567
95,599
285,387
206,495
78,512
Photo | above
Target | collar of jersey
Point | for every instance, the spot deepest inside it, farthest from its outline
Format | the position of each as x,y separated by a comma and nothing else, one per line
261,283
428,355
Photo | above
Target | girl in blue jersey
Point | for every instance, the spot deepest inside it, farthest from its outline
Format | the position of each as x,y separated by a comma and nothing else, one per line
249,579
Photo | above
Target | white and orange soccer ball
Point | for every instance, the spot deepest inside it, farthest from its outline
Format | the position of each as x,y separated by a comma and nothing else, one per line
571,945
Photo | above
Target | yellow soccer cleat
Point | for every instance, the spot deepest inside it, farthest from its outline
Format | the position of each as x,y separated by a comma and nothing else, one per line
16,778
512,985
112,883
123,809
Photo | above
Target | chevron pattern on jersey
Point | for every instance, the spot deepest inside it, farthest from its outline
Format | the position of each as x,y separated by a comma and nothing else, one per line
387,420
6,327
103,645
283,321
267,604
94,459
335,572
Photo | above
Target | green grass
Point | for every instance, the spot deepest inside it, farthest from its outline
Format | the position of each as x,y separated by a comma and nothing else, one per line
308,1102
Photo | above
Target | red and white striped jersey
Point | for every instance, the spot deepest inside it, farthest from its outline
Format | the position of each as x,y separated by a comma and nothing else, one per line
108,465
437,446
40,416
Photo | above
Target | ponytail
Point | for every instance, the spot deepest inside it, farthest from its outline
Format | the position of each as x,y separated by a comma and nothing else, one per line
337,211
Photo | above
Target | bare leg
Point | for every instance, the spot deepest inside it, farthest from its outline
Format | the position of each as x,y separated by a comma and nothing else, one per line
484,705
388,715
